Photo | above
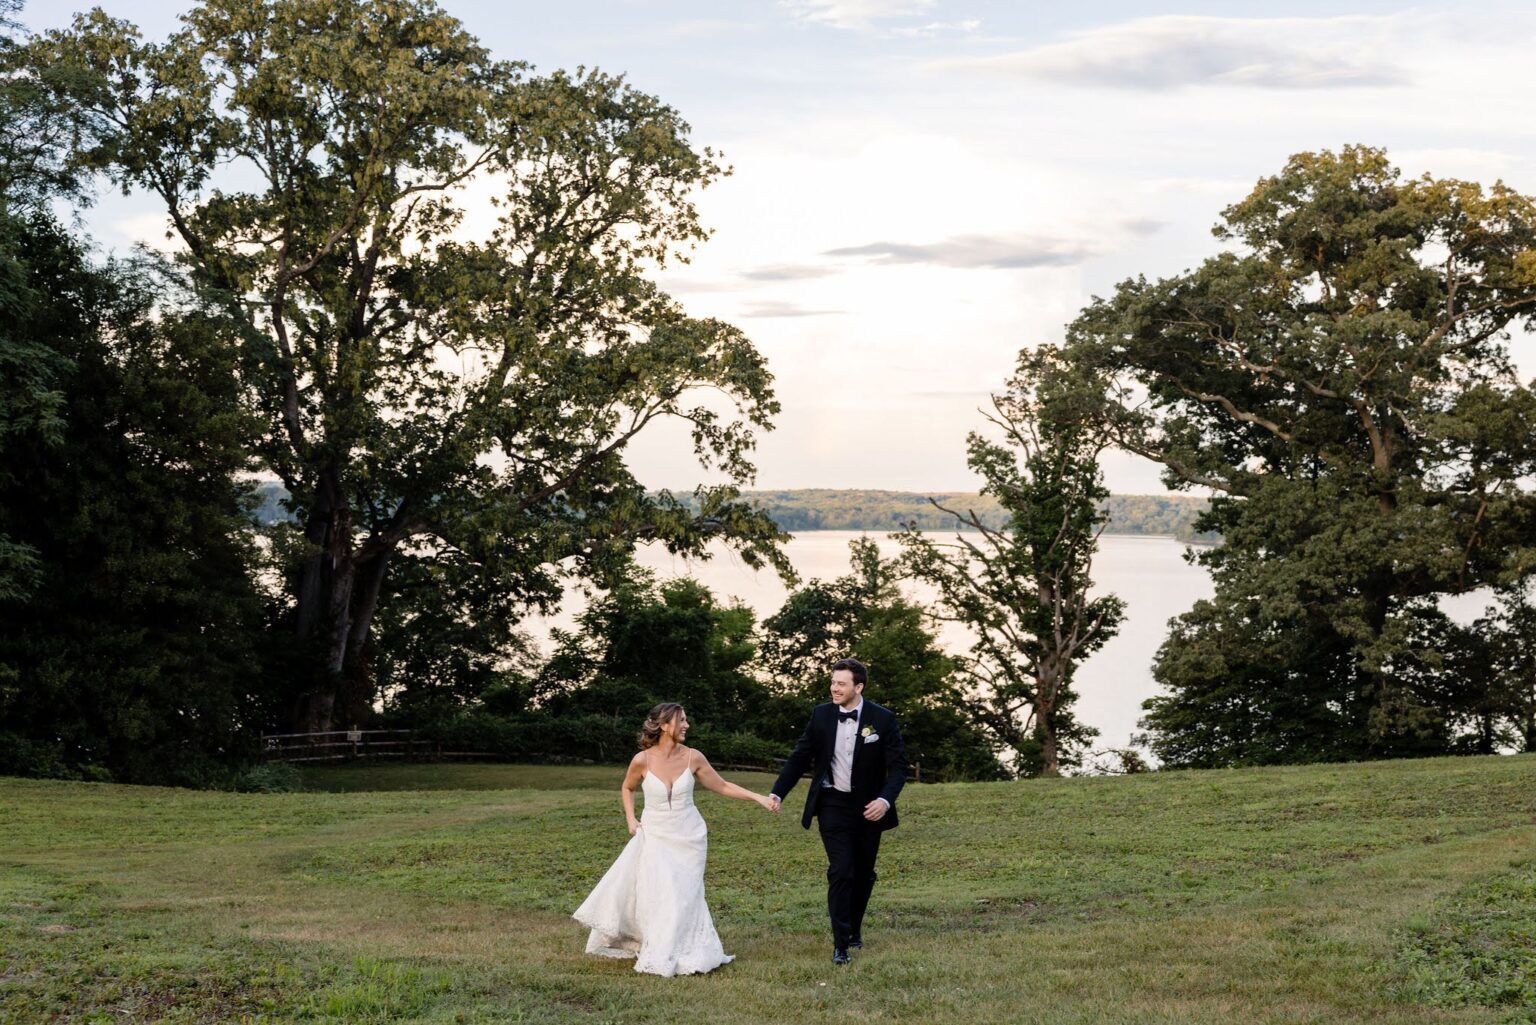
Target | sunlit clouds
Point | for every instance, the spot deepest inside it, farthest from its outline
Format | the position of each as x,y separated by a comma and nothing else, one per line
922,187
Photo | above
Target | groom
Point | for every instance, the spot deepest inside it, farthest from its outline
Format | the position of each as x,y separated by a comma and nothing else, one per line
860,766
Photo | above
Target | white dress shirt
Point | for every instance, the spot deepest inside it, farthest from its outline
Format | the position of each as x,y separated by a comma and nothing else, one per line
842,750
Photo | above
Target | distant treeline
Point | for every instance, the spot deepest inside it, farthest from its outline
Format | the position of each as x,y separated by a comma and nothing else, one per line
836,509
850,509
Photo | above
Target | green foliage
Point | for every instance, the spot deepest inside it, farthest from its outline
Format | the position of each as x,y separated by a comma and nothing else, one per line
31,372
864,615
643,643
135,651
430,394
444,640
1341,380
1503,642
41,128
32,174
1023,589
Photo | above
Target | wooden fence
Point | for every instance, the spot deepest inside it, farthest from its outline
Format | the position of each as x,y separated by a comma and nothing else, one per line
344,745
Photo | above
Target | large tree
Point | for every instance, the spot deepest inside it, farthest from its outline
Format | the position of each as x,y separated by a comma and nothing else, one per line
1491,669
135,651
439,261
1340,379
1509,630
130,620
36,130
646,642
1024,589
864,614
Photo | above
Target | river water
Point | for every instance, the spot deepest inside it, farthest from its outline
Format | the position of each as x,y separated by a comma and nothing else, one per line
1149,573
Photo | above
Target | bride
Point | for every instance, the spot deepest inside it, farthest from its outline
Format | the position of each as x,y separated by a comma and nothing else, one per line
650,904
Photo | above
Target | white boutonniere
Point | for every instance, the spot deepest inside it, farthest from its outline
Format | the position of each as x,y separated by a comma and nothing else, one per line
869,734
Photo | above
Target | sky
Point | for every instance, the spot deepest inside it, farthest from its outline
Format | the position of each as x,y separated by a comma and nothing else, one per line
921,188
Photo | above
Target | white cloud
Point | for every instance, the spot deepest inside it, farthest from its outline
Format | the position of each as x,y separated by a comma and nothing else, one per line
988,207
780,308
1143,226
1017,251
787,272
939,28
151,230
1000,252
1175,51
855,14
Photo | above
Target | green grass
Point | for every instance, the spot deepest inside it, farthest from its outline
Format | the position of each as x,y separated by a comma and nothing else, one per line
1478,946
460,776
1400,892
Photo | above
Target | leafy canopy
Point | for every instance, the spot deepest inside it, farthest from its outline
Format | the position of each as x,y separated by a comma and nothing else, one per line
1340,378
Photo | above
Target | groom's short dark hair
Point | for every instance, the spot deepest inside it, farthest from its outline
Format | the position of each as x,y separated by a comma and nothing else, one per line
858,669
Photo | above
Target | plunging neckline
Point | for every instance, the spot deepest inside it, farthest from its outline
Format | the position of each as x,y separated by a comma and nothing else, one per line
686,769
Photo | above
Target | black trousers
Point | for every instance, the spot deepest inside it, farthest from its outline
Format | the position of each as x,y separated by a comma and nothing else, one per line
852,843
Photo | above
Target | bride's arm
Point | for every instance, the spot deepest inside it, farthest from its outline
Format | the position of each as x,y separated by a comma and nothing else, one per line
632,778
712,780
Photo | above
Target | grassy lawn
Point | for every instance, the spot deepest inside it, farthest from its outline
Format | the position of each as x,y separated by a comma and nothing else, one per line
460,776
1400,892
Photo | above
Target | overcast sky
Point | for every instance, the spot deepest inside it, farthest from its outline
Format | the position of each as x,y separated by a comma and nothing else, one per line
922,187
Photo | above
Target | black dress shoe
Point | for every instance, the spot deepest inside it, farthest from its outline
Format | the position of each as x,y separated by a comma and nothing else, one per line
840,956
857,943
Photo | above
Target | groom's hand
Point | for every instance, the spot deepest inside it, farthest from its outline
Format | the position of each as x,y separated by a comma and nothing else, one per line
874,811
774,801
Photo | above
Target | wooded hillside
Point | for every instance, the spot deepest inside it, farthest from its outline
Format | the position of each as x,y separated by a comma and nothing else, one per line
853,509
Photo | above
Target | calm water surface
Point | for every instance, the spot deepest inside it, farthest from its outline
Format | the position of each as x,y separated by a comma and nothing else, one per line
1149,573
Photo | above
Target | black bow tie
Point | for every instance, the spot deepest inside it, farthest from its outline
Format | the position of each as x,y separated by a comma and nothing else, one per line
843,717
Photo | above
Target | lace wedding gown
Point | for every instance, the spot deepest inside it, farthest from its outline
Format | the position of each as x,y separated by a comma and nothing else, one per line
650,905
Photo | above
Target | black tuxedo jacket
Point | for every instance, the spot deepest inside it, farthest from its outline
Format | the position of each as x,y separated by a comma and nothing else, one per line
879,764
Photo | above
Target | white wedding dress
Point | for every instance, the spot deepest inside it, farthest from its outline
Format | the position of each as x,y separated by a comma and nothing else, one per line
650,904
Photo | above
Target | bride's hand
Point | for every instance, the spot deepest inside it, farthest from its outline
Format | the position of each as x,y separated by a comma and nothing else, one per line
634,826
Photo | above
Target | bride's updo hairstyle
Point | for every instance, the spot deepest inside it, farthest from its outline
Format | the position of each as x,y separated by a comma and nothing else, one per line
659,716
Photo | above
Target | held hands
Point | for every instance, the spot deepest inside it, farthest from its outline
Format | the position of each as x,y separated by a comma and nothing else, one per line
771,802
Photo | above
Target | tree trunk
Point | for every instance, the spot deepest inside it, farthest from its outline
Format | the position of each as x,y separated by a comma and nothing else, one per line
1047,694
1045,725
1487,734
357,669
1383,729
1050,757
370,584
323,619
338,609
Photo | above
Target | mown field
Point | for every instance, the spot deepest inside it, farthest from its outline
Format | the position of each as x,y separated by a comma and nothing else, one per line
1400,892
